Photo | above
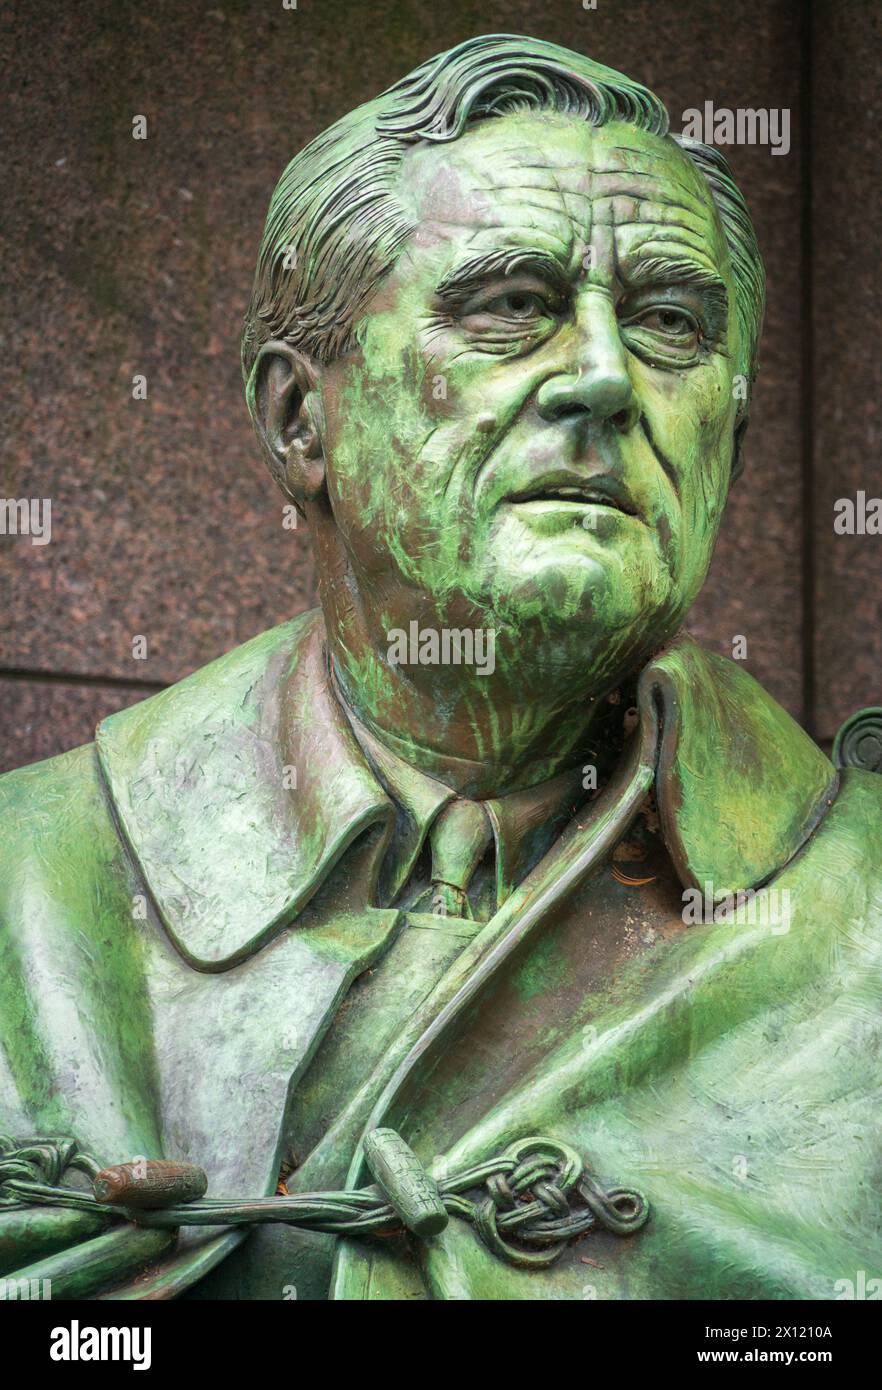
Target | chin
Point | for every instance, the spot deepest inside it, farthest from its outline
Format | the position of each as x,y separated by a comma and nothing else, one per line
584,588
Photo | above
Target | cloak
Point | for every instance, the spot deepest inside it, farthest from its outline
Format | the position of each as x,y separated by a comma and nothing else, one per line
182,929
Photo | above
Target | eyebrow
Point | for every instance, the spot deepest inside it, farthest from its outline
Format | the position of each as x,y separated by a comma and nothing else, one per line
673,271
503,262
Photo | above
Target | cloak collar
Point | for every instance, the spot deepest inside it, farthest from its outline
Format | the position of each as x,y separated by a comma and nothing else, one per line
239,789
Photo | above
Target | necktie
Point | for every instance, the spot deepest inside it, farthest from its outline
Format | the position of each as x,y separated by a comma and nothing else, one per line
459,840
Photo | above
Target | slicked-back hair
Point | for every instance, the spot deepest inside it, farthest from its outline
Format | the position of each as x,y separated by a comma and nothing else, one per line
335,228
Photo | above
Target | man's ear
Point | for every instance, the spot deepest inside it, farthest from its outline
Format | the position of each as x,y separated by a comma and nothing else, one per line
286,412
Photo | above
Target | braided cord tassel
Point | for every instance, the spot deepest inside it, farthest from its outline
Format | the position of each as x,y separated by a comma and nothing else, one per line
525,1206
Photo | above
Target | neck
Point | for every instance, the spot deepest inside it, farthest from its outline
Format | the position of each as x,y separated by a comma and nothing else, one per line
507,722
484,736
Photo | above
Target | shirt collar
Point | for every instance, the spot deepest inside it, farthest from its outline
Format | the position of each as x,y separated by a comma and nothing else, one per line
240,788
524,823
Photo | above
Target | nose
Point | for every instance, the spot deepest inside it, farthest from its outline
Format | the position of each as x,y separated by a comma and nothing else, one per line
592,380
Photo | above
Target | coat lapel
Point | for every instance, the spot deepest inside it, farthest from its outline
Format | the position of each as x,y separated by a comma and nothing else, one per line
237,791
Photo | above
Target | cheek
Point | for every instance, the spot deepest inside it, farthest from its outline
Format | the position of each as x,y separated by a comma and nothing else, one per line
373,420
354,461
706,485
706,476
388,468
692,415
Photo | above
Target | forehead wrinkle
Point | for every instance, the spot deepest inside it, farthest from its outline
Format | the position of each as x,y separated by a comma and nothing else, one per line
534,150
696,237
496,181
650,207
639,231
599,197
482,166
644,210
511,211
524,155
680,160
677,236
534,192
623,171
688,188
522,239
580,167
601,205
556,218
518,151
692,191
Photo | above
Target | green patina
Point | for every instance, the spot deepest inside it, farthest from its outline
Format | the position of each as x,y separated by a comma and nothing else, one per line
499,354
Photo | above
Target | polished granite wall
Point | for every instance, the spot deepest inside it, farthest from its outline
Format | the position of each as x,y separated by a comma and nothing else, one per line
125,257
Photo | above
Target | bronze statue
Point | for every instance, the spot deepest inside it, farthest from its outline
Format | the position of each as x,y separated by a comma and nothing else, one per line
482,909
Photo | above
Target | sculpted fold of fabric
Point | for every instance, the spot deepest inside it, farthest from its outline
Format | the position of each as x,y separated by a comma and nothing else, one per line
667,1079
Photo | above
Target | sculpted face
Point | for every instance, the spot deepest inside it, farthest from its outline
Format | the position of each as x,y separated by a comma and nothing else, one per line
535,432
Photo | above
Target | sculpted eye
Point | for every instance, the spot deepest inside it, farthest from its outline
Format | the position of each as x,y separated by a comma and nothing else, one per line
672,323
517,304
510,319
664,335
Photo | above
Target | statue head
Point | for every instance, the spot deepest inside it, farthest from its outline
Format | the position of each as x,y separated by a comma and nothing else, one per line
499,353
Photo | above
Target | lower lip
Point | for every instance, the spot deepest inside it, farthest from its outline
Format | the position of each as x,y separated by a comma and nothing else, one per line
556,513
